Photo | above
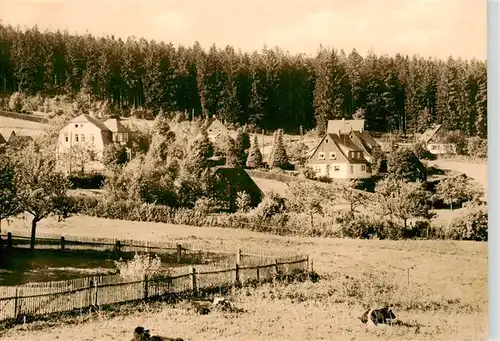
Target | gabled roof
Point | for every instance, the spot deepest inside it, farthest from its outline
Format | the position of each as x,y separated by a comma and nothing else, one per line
366,141
2,139
19,140
344,145
216,121
85,118
429,133
344,126
240,181
115,126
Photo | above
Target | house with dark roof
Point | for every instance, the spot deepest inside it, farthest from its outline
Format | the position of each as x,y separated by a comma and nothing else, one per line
18,141
354,129
434,140
88,133
236,179
2,140
338,157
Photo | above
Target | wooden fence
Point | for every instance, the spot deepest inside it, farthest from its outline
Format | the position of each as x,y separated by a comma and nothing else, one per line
52,297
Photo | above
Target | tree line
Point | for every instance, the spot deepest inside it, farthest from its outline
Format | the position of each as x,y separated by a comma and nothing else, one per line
270,89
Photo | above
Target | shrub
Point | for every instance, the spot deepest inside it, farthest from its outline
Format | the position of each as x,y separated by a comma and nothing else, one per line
477,147
139,266
473,225
308,173
87,181
243,201
16,102
422,152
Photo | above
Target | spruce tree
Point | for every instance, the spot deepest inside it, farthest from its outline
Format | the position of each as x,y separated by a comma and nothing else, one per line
279,159
239,148
273,148
254,155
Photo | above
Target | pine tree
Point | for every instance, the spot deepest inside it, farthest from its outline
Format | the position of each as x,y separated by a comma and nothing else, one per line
254,159
280,158
239,148
273,147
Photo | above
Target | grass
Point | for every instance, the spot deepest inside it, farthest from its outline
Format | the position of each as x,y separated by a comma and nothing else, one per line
446,295
21,127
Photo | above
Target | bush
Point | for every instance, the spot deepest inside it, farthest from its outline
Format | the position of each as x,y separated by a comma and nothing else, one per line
473,225
477,147
308,173
139,266
16,102
88,181
422,152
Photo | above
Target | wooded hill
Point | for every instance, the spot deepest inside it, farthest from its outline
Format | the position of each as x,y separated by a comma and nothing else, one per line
270,89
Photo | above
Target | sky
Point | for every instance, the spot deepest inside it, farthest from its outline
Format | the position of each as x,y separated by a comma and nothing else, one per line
429,28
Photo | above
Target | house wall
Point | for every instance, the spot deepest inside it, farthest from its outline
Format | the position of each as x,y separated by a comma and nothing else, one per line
215,129
328,167
100,138
441,148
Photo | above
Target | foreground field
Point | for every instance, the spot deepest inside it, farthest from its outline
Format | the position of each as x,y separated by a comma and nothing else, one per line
439,287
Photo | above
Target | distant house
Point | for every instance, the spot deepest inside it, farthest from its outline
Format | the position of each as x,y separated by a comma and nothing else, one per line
2,140
433,138
337,157
360,137
216,128
236,179
88,133
18,141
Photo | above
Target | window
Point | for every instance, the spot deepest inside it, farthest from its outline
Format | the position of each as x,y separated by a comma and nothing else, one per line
83,138
76,137
326,141
125,137
92,138
363,168
321,156
352,169
336,168
66,138
333,156
76,125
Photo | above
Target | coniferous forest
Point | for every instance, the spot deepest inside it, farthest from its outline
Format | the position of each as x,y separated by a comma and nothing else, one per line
270,88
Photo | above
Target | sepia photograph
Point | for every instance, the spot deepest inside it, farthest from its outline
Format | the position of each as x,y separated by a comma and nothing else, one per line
216,170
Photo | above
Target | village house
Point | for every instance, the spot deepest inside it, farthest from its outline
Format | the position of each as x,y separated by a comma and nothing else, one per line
17,142
86,132
433,138
337,157
345,152
216,129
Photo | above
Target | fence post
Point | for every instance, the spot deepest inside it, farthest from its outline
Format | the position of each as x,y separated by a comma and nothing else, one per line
62,243
145,287
238,256
179,253
258,273
9,240
95,291
194,285
117,249
276,265
311,268
15,303
236,274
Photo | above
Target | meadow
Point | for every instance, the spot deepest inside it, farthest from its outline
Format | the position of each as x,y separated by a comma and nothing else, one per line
439,289
21,127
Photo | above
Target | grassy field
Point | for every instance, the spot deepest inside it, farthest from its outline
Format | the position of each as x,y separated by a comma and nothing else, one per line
21,127
445,296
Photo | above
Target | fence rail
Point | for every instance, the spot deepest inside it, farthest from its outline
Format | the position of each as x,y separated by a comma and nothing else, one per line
35,299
